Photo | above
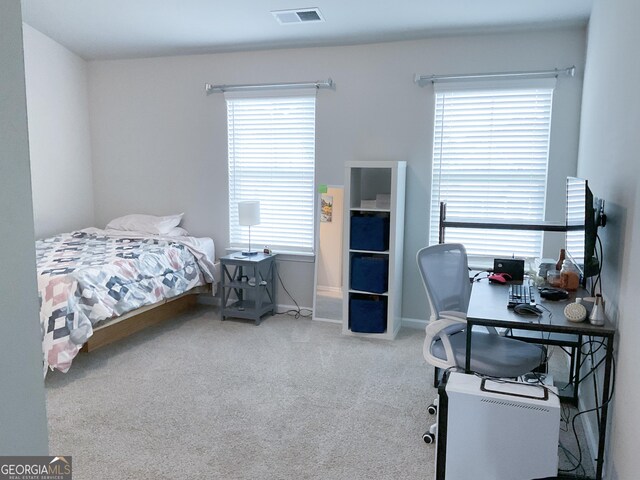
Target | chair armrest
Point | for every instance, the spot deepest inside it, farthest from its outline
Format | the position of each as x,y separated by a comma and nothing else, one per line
434,331
454,315
462,317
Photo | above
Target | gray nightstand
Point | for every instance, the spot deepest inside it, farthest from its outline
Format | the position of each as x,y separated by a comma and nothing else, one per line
252,279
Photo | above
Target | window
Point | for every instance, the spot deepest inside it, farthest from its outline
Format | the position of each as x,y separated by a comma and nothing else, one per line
490,156
272,159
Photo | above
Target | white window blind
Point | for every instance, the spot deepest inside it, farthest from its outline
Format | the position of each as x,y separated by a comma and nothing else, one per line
272,159
490,157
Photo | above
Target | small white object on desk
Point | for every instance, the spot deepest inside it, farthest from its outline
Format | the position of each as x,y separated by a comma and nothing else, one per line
575,312
597,312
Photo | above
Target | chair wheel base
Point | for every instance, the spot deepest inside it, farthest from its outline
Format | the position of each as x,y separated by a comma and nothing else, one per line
428,438
432,409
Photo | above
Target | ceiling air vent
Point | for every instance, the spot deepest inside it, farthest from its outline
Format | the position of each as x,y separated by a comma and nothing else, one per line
303,15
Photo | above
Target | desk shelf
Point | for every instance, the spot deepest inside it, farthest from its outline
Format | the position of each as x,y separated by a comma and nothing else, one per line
499,224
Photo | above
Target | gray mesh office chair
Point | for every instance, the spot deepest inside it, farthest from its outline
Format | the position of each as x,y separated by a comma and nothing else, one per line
445,273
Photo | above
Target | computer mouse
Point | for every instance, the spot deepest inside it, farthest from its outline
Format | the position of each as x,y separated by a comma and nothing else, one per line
500,278
527,309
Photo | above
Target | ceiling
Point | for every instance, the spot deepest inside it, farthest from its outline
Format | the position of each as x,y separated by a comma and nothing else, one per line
101,29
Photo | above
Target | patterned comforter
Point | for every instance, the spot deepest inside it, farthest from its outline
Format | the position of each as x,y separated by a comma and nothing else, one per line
84,278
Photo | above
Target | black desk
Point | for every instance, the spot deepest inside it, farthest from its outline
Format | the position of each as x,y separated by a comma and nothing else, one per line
488,307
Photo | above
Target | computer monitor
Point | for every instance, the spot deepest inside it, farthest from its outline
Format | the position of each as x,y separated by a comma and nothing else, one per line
582,219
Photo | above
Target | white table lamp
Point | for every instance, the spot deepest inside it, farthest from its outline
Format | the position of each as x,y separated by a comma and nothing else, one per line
248,215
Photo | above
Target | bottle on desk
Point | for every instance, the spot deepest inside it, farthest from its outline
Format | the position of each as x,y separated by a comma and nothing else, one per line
561,258
569,276
597,312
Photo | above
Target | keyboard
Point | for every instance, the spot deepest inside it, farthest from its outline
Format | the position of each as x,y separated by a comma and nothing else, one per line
519,294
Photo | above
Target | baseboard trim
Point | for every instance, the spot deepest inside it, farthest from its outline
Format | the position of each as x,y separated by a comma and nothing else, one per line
416,323
211,300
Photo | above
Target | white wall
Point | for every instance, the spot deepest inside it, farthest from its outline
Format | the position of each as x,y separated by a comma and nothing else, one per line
23,422
609,146
59,136
160,144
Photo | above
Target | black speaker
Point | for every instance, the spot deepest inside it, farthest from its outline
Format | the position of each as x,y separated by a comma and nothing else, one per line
512,266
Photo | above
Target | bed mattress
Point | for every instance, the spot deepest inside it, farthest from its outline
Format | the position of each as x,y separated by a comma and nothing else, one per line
88,276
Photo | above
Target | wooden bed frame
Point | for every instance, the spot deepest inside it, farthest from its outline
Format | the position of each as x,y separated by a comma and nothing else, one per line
120,327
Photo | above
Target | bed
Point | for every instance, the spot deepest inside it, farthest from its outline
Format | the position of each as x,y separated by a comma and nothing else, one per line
99,285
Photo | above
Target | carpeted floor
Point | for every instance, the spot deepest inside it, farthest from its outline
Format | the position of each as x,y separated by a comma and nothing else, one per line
196,398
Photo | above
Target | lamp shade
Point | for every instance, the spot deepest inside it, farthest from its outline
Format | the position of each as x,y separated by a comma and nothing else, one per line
249,212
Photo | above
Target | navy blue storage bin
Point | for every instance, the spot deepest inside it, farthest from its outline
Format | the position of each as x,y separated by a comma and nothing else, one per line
369,274
369,233
368,315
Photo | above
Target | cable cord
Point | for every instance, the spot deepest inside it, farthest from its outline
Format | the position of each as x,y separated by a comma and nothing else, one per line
597,408
595,375
595,367
600,258
573,460
475,277
585,355
565,417
294,312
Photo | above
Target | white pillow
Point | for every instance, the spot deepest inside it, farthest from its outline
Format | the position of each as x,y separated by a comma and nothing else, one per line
145,223
177,232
